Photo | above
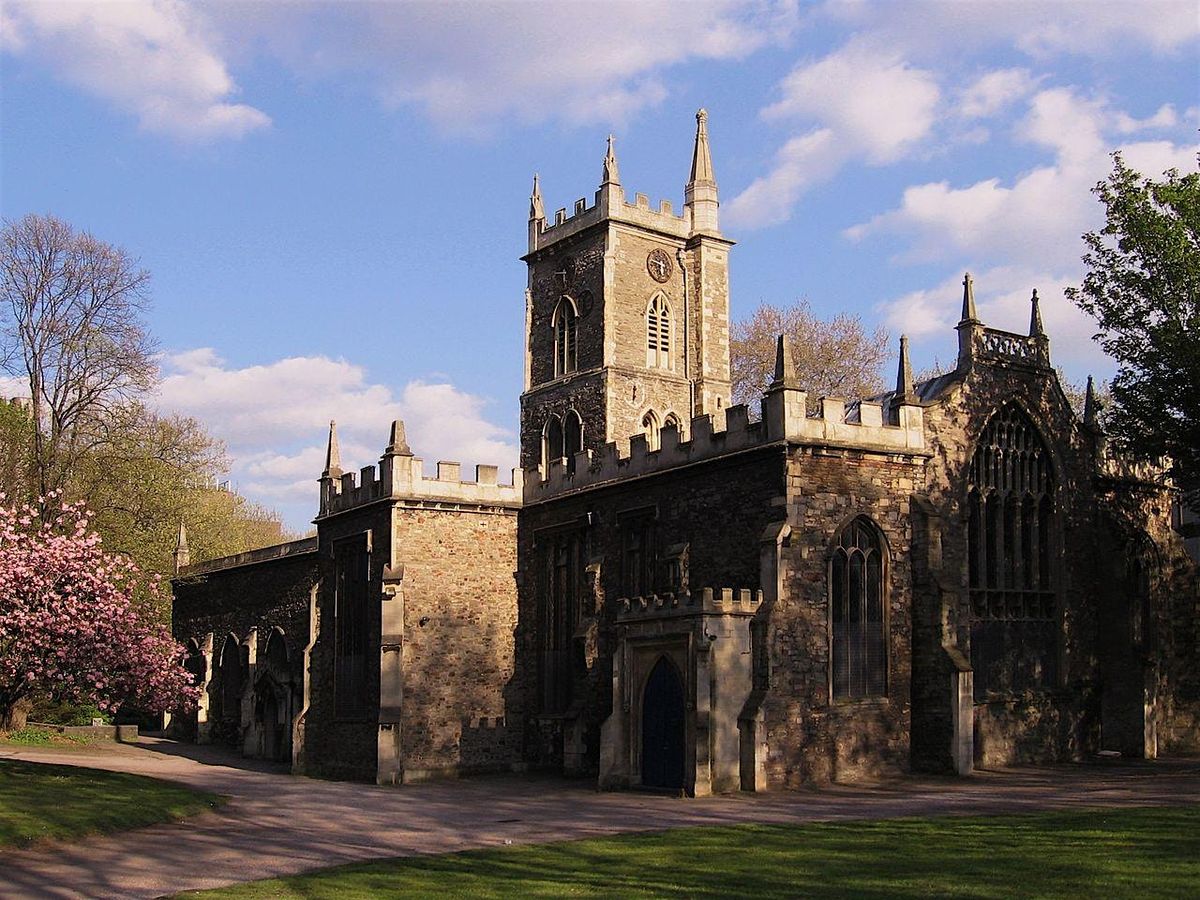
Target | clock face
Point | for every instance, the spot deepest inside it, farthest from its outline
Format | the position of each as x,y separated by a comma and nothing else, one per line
658,264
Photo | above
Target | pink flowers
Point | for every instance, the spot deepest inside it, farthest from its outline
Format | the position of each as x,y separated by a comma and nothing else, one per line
68,624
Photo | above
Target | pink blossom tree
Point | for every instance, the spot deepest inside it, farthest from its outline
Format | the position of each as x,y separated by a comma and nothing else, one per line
69,626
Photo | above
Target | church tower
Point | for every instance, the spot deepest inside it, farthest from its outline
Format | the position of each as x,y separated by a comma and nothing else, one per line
626,315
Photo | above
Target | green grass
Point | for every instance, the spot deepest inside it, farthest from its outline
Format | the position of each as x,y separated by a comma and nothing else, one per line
1101,853
42,801
31,736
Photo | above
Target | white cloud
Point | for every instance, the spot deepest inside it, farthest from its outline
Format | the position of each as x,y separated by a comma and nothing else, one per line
860,102
994,91
1097,28
873,99
1038,217
473,67
155,59
275,418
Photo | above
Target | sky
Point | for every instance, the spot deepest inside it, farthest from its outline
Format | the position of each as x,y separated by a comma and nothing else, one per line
332,197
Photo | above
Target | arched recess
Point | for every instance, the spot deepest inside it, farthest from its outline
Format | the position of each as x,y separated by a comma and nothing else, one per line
230,683
274,699
664,727
572,437
1011,557
858,612
651,429
565,325
659,332
672,420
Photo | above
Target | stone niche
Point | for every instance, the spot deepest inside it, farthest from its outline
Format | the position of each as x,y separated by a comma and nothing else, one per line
682,673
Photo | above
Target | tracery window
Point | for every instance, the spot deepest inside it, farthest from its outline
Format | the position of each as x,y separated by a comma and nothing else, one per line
1010,534
565,325
856,599
638,556
562,439
658,333
351,560
562,590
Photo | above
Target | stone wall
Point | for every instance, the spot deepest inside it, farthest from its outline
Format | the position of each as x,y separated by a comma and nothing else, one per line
460,612
717,508
811,737
212,601
336,746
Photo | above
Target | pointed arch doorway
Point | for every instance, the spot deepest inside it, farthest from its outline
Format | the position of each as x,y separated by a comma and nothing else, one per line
663,728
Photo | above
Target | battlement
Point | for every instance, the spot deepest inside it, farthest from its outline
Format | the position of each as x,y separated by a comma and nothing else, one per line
401,476
609,205
710,601
785,418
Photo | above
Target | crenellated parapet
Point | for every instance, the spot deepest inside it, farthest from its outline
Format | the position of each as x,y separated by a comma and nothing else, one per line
786,419
400,476
609,204
708,602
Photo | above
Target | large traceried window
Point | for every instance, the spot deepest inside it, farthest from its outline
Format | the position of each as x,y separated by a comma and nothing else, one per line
351,561
658,333
856,596
565,325
1010,557
563,561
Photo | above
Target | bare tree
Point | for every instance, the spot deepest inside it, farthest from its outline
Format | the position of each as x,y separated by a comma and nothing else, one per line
71,309
835,358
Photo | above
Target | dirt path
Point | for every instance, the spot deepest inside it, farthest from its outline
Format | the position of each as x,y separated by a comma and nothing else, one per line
278,824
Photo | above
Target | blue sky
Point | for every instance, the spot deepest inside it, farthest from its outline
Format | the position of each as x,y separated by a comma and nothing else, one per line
332,197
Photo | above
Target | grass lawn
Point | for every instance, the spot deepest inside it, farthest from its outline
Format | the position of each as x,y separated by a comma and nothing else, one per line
1100,853
43,801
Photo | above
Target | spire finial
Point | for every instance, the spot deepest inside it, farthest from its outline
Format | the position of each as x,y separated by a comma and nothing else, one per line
1035,316
1090,405
702,167
968,304
536,210
785,368
611,175
333,456
397,443
905,391
183,556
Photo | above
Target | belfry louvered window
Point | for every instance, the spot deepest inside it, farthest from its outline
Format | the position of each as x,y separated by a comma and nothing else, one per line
856,590
565,326
658,333
1010,557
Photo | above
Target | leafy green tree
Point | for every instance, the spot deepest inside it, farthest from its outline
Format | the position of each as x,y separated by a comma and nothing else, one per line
1143,288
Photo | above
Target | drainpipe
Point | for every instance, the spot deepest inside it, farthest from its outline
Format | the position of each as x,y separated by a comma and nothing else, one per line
687,331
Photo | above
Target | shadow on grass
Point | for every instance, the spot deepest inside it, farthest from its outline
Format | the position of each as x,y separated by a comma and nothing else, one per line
1110,853
40,801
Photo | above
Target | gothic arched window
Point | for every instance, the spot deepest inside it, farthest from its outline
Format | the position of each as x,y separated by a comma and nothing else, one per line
572,430
856,601
1010,570
658,333
651,428
565,325
552,442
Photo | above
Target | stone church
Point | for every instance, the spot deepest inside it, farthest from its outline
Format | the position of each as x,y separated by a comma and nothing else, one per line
678,593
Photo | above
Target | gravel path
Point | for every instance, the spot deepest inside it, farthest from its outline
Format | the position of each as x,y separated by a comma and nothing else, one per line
277,824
